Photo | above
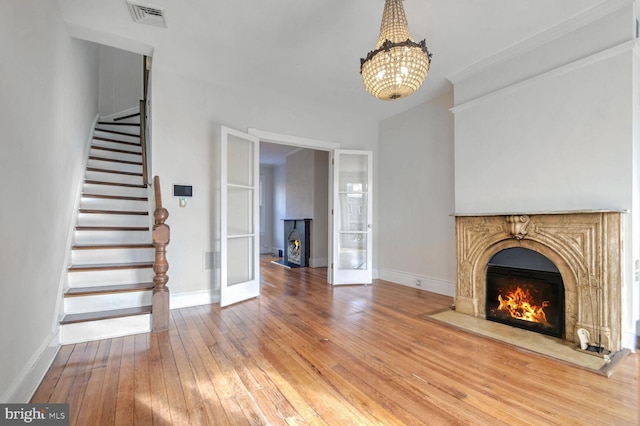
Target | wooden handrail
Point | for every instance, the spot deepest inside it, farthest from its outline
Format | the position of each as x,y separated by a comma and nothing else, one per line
161,237
146,65
143,141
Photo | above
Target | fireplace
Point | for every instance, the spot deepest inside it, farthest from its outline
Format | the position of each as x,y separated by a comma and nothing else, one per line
584,247
525,298
297,235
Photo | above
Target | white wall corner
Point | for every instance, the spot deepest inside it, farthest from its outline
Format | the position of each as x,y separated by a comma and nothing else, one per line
435,285
27,381
194,298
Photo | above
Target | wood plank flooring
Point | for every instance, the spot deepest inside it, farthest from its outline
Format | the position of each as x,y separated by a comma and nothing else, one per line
306,353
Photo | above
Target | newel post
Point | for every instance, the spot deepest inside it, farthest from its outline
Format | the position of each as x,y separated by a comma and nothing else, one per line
160,235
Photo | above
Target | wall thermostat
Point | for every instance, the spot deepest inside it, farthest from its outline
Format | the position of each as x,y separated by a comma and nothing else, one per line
182,191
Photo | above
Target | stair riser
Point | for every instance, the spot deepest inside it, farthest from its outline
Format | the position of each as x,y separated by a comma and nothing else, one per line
109,165
90,188
108,144
113,204
96,219
112,237
109,135
104,302
116,155
113,177
111,256
97,278
104,329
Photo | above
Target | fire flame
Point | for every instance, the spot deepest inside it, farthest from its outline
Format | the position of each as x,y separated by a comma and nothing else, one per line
518,304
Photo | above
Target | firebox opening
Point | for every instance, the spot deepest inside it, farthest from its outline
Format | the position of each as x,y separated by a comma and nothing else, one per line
525,290
293,248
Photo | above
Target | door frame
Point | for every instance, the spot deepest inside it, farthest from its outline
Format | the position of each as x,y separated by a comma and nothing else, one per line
316,144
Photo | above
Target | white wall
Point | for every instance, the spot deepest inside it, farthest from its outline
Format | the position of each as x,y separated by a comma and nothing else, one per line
320,224
266,210
279,206
560,137
120,80
556,143
300,184
417,233
48,105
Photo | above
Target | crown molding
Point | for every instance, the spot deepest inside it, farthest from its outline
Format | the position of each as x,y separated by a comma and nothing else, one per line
553,33
628,46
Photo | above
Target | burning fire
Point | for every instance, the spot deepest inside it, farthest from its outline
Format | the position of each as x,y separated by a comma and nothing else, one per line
518,304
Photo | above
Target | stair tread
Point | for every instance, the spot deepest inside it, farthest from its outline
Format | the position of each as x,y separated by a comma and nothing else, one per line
124,117
119,123
116,132
107,183
112,228
115,197
102,138
108,289
116,150
111,246
94,316
118,172
115,160
122,212
110,266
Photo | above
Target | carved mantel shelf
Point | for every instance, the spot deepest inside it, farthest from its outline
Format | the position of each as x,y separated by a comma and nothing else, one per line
541,212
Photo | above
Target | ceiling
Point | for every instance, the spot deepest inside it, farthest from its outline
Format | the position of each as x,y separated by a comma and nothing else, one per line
310,50
272,154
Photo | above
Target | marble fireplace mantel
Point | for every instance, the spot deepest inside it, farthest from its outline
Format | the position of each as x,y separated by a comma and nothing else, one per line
584,245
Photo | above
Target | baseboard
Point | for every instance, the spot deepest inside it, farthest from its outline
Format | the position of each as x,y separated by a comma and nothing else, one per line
193,298
26,383
434,285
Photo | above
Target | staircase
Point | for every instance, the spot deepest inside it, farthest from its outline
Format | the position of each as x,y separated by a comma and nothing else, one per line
110,280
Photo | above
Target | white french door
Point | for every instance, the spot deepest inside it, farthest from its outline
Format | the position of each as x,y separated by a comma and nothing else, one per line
352,217
240,217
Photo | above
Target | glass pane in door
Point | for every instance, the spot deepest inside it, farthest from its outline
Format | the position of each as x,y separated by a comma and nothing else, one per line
353,178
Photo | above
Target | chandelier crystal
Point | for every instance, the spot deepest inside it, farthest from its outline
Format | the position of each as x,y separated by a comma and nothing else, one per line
398,65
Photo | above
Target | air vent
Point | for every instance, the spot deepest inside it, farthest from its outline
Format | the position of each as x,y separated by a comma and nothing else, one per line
147,14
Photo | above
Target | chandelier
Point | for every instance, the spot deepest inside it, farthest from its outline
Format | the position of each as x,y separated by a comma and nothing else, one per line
398,65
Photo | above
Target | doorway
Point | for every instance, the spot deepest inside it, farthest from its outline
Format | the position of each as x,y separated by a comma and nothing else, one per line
295,182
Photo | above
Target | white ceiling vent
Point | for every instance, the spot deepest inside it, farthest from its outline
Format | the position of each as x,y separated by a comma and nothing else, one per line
146,14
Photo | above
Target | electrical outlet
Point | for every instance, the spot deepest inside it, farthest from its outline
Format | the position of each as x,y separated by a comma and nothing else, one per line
418,283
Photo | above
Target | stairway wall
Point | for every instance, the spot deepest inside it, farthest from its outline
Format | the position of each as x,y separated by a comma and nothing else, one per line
48,104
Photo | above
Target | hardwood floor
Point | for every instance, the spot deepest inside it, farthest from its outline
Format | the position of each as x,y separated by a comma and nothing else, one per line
307,353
